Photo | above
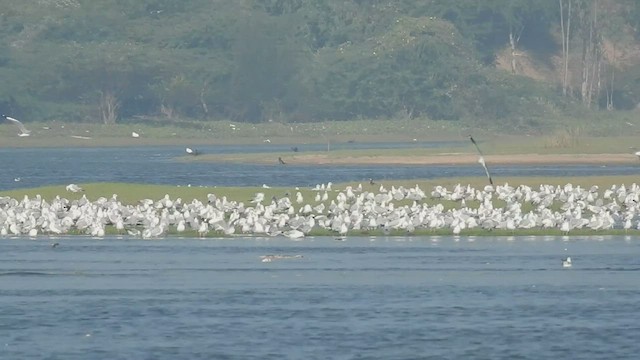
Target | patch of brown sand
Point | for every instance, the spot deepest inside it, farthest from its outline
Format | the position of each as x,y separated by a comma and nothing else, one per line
464,159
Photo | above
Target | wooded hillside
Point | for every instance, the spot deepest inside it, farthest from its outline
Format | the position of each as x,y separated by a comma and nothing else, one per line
504,61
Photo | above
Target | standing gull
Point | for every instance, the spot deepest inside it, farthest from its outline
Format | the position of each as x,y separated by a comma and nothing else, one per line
481,159
74,188
23,130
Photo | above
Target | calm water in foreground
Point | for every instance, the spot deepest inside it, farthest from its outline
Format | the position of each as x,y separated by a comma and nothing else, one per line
363,298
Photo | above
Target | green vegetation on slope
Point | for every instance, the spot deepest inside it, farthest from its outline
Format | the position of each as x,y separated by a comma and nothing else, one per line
292,61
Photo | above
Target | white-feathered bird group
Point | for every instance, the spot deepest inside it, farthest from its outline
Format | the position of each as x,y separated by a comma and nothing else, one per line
350,210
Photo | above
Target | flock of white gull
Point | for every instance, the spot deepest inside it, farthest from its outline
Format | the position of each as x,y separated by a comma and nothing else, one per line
351,210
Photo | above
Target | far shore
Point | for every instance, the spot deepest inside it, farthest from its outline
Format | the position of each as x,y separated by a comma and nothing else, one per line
499,149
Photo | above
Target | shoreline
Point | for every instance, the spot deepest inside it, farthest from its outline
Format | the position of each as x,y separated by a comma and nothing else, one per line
435,159
112,232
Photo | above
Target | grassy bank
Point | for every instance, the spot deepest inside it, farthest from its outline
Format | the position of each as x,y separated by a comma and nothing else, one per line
418,156
224,132
610,133
132,193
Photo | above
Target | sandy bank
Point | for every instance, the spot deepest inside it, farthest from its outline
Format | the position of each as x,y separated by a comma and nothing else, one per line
463,159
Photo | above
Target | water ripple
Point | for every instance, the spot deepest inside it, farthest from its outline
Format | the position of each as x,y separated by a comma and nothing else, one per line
210,299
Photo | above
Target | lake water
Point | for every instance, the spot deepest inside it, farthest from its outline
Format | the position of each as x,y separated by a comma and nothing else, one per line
364,298
35,167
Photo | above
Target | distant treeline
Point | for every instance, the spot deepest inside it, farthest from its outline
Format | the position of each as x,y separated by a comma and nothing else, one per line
308,60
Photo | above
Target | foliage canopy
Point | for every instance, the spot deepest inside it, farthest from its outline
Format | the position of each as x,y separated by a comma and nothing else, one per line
285,60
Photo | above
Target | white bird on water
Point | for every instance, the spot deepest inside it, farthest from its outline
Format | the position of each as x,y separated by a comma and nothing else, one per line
191,151
74,188
566,263
294,234
23,130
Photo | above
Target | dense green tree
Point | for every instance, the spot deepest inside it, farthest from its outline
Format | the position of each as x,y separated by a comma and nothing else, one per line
265,63
418,67
492,24
304,60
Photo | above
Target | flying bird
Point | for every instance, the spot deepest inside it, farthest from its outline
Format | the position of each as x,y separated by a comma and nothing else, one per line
481,159
23,130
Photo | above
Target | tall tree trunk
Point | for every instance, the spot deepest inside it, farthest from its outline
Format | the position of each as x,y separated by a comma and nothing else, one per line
566,59
599,52
108,106
585,26
610,88
596,84
591,51
513,41
566,29
564,49
596,63
203,101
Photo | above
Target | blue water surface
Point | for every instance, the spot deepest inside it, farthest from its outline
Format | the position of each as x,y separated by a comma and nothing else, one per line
33,167
363,298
